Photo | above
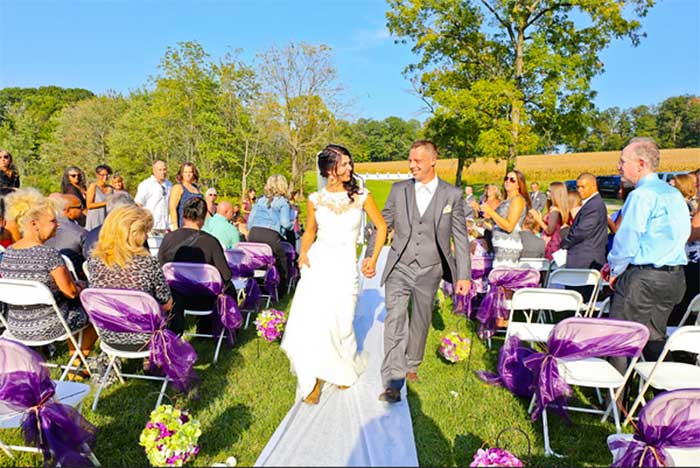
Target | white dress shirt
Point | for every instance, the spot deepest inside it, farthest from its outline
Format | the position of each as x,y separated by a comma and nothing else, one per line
424,193
153,196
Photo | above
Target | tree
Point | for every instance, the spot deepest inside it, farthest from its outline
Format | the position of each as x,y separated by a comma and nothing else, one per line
538,56
301,82
678,122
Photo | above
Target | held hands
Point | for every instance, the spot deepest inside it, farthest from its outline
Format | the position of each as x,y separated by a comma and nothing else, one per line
536,214
605,274
462,287
303,260
368,268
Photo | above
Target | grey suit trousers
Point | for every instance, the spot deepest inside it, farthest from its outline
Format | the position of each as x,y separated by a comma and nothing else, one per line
404,339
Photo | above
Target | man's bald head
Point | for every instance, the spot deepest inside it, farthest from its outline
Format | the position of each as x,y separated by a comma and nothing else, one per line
586,185
225,209
68,204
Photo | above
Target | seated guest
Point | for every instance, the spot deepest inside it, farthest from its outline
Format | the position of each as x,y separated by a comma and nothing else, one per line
30,259
114,201
192,245
120,261
533,246
70,236
270,216
220,226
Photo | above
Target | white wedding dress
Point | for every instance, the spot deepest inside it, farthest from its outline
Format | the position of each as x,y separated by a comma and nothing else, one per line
319,339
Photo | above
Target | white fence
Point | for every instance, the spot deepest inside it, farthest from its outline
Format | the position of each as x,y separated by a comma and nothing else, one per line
386,176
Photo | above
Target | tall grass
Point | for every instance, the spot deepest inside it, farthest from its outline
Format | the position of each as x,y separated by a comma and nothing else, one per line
544,168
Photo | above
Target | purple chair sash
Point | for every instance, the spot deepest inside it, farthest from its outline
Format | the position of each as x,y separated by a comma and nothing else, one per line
291,254
252,295
671,419
260,256
239,263
205,280
58,430
494,304
512,373
579,338
462,303
121,310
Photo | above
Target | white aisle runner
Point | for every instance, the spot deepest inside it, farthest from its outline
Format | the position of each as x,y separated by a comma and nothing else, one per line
350,427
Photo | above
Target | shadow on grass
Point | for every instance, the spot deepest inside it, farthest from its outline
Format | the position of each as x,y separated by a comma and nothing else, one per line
431,443
226,429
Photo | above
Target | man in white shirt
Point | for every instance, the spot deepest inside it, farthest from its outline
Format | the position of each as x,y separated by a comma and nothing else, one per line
153,194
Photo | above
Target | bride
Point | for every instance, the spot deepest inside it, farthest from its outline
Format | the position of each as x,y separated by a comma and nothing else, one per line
320,340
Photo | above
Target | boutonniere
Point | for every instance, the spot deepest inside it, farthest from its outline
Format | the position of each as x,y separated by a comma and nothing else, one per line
447,209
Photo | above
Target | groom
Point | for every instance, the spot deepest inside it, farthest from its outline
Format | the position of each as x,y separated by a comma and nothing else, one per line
426,214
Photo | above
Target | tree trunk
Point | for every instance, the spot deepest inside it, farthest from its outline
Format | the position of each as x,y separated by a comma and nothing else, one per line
516,103
244,174
460,167
295,169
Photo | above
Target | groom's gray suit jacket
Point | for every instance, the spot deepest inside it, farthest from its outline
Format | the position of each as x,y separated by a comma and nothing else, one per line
447,230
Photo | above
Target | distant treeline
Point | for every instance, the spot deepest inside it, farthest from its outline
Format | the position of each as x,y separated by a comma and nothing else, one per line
239,123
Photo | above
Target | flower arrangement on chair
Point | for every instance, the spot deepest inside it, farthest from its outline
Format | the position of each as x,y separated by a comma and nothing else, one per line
170,437
270,324
455,347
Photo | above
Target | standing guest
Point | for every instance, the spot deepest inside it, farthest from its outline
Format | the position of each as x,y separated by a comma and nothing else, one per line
152,194
648,254
210,197
557,216
96,195
30,259
118,183
192,245
537,198
120,261
268,219
114,201
533,245
70,236
685,183
574,200
220,226
247,204
692,252
9,176
587,239
73,183
469,212
186,188
508,219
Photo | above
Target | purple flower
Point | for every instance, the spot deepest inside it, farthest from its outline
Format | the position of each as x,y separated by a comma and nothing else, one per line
495,457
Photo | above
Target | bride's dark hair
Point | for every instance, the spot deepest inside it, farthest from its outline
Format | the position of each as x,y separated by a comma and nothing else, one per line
328,160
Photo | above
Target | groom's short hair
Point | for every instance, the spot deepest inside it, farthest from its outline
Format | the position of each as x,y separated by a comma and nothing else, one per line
429,145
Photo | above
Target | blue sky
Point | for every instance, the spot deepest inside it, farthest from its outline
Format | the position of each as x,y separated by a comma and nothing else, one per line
102,45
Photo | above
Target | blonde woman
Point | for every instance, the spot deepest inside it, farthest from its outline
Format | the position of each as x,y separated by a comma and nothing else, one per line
269,218
30,259
557,216
120,261
685,183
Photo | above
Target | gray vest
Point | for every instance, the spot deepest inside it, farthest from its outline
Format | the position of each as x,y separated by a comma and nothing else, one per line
422,245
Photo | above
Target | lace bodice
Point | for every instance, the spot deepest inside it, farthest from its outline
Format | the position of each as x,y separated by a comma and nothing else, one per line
338,218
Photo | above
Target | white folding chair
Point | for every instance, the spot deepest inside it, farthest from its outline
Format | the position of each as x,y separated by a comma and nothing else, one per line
147,308
67,393
70,266
85,271
595,371
154,244
669,375
256,249
27,293
577,277
234,258
534,300
197,270
603,307
693,308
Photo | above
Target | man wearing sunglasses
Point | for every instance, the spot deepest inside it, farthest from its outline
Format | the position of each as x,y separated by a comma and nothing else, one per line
153,194
70,236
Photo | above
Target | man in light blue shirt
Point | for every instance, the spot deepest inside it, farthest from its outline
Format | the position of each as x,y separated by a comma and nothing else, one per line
648,253
220,226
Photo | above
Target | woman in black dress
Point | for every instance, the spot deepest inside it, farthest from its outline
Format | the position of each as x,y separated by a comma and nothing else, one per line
73,183
9,176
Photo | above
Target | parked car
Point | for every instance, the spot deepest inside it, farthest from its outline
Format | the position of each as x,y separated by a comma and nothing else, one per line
608,186
666,176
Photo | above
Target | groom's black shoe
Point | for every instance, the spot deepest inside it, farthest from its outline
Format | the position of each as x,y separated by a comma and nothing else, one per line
391,395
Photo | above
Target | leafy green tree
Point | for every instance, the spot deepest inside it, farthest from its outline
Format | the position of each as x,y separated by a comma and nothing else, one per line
537,57
678,122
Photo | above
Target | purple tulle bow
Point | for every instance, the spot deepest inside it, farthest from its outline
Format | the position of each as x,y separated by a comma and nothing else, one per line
462,303
58,430
671,419
127,311
494,304
512,373
205,280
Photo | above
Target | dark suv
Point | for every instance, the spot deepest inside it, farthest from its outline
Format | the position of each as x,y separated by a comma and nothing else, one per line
608,186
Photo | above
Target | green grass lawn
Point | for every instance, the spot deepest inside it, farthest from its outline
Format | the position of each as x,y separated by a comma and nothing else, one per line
244,397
